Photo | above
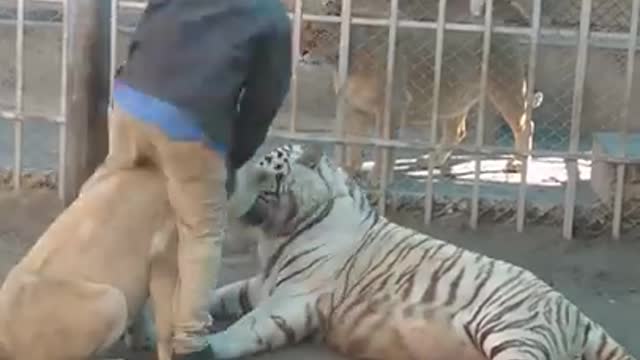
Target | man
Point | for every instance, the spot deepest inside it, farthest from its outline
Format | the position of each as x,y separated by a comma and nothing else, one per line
201,85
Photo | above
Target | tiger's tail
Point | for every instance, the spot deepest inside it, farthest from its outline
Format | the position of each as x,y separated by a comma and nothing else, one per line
601,346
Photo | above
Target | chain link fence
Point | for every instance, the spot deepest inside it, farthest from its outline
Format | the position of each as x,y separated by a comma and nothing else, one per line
573,80
529,115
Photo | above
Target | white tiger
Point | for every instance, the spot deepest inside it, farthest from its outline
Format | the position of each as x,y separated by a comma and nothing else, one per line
371,289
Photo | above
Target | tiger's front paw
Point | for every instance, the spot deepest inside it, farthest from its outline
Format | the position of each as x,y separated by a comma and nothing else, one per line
223,347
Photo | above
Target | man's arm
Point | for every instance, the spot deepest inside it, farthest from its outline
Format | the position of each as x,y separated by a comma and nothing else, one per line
264,92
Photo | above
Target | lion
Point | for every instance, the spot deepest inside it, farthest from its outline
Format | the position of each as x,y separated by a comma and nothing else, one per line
91,273
412,100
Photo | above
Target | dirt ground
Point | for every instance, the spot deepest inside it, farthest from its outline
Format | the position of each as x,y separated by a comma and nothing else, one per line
601,277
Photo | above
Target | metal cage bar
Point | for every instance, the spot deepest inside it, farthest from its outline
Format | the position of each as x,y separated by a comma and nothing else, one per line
18,130
536,34
482,109
343,74
613,40
435,111
531,79
626,119
62,133
295,58
576,117
386,167
114,46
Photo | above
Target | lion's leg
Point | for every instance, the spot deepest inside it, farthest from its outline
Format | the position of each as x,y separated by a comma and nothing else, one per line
513,110
271,325
506,89
377,171
357,124
59,319
454,130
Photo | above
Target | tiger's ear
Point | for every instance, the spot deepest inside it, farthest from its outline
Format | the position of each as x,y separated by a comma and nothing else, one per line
311,156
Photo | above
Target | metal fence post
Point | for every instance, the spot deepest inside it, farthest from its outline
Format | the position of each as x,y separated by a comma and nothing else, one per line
87,97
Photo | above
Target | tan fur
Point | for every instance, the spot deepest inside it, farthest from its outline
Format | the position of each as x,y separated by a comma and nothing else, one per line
92,271
413,79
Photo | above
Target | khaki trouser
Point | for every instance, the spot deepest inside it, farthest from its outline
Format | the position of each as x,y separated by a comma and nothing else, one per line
195,183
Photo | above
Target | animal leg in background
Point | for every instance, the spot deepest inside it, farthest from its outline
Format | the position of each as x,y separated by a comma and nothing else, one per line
454,130
513,109
357,124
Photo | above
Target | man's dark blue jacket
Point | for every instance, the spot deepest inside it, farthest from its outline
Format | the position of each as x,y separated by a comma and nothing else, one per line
209,70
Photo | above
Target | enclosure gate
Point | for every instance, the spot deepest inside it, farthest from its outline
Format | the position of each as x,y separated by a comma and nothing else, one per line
584,26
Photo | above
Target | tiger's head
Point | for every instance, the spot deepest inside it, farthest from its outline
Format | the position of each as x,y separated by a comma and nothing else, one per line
291,183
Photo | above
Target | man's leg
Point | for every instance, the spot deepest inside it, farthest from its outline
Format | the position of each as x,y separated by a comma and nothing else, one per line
196,186
126,146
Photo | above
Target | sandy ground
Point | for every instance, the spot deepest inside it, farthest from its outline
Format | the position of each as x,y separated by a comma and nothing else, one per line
603,278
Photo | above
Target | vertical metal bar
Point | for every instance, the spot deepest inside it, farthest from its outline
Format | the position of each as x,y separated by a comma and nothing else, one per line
576,117
88,69
388,103
626,119
62,134
295,57
531,79
435,111
19,100
482,107
113,51
343,73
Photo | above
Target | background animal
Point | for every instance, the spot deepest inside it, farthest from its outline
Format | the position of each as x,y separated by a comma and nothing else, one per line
332,266
412,101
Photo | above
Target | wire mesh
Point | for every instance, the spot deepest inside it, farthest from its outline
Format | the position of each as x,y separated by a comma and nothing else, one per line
506,191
